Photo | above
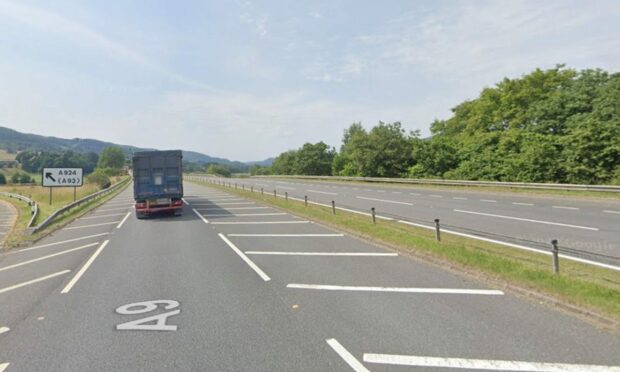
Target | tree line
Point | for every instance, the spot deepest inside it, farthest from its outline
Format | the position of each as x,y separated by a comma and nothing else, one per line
556,125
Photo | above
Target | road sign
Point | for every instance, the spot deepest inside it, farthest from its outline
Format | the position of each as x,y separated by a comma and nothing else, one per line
62,177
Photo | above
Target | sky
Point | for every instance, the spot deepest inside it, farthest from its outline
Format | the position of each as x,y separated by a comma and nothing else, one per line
247,80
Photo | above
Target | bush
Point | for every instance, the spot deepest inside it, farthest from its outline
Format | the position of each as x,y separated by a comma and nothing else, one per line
25,178
100,178
15,177
218,169
2,179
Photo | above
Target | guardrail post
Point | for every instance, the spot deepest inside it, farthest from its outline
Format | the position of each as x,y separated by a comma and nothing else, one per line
437,230
262,192
235,185
333,207
306,200
243,186
286,195
252,188
555,256
274,194
374,218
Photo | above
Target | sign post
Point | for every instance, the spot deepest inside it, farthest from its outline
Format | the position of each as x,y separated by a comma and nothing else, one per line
62,177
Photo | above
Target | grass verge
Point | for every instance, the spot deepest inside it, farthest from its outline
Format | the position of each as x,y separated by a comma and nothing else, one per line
580,288
18,238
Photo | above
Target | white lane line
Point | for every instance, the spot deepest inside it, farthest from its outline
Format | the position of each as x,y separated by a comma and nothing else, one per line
243,214
322,192
3,366
287,188
435,196
230,209
79,274
4,330
562,207
481,364
102,216
613,212
258,222
484,292
289,235
459,198
212,204
346,356
414,194
526,204
346,254
113,209
61,242
488,201
396,192
366,190
46,257
23,284
380,190
123,221
93,225
201,216
384,201
245,258
185,201
529,220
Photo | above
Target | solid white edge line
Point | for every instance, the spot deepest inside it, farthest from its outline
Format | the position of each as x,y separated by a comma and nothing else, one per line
61,242
352,254
527,220
384,201
79,274
483,292
201,216
3,366
481,364
92,225
23,284
346,356
123,221
258,222
4,330
245,258
46,257
289,235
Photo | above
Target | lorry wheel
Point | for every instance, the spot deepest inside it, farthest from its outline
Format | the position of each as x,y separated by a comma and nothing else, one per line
140,215
178,212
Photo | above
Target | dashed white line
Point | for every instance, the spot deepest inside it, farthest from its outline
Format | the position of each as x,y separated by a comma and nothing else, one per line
435,196
243,214
562,207
79,274
485,292
322,192
526,204
4,330
230,209
60,242
529,220
245,258
92,225
258,222
212,204
123,221
346,356
396,192
346,254
612,212
289,235
3,366
287,188
488,201
33,281
414,194
459,198
201,216
46,257
384,201
481,364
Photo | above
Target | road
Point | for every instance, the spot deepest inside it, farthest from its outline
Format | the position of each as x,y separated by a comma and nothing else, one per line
239,286
591,226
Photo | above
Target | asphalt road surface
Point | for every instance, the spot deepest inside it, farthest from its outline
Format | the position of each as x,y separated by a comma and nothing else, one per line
587,225
233,285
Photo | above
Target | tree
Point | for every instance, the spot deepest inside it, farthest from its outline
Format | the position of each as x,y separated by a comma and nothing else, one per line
314,160
112,157
285,163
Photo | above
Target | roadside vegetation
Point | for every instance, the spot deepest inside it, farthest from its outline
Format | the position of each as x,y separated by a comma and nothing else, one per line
558,125
582,288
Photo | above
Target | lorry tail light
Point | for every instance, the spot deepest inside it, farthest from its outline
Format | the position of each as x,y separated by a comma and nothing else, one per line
176,203
140,205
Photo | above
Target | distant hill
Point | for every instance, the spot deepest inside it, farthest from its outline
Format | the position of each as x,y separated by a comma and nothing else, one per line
13,141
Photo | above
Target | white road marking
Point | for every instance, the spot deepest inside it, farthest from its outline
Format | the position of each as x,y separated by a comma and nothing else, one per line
61,242
384,201
526,204
613,212
46,257
185,201
102,216
289,235
562,207
459,198
488,201
3,366
367,190
414,194
233,208
79,274
93,225
4,330
23,284
201,216
287,188
346,356
322,192
112,209
123,221
258,222
245,258
215,200
241,203
481,364
352,254
145,324
111,204
243,214
435,196
380,190
529,220
485,292
396,192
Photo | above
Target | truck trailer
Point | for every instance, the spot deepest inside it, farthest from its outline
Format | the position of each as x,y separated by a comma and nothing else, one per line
158,182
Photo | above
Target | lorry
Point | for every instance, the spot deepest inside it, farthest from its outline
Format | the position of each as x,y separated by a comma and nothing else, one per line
158,182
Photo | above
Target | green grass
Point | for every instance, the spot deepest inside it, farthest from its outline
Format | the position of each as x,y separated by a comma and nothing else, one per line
4,155
590,288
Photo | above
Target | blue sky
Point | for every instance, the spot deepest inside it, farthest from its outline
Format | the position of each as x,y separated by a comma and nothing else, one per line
247,80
